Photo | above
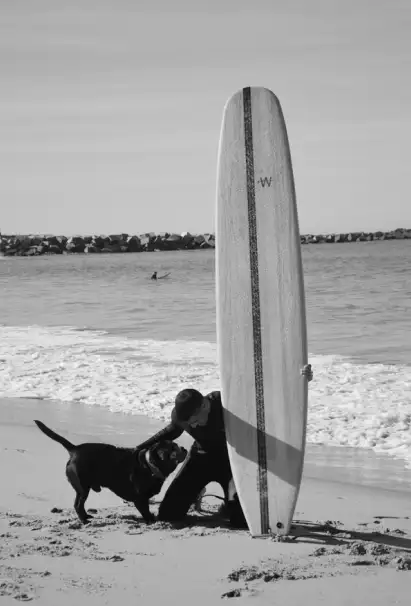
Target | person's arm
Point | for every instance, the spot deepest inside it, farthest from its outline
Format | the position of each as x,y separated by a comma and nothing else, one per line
171,432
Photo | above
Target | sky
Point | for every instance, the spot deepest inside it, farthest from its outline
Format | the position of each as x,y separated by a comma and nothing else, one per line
110,110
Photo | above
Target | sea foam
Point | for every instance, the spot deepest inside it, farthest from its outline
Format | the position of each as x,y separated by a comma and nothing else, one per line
350,404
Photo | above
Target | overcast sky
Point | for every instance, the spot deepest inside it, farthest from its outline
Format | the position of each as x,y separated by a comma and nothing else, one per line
110,110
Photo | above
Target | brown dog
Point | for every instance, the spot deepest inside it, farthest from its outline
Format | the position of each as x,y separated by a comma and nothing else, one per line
133,477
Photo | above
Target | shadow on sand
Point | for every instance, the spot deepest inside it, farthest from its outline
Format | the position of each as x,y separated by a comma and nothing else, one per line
330,534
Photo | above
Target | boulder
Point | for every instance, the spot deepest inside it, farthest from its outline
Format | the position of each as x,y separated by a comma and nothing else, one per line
159,241
117,239
76,246
399,234
54,250
24,243
91,249
32,251
147,241
99,241
174,242
187,239
209,241
59,241
35,240
133,244
198,240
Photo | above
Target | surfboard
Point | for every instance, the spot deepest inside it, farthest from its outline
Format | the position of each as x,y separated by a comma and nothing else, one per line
160,277
261,320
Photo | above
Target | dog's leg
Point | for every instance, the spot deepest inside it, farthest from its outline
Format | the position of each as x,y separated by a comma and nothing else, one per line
143,507
79,502
82,493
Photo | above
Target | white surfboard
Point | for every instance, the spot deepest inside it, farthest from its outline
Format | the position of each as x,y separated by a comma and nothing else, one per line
261,323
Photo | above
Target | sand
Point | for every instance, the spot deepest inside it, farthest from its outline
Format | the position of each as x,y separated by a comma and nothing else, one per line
350,543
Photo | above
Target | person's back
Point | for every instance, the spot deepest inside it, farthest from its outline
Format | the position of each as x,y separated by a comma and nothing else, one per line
209,434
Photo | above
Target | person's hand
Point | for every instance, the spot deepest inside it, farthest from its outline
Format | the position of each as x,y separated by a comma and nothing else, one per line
307,372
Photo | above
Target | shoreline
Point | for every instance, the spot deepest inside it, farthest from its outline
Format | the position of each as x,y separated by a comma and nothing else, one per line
83,422
357,467
350,543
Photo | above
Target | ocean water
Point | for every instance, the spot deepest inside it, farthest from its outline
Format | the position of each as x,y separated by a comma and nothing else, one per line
97,330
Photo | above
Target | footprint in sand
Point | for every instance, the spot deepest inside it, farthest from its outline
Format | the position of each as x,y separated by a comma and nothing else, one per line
23,597
32,497
20,450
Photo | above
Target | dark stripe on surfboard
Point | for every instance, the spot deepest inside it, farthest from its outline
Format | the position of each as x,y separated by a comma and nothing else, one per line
255,301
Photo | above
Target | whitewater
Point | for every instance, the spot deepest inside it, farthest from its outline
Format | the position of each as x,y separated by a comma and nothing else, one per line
96,331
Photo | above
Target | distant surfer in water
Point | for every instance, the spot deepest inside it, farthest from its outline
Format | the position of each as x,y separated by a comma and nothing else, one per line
156,277
207,461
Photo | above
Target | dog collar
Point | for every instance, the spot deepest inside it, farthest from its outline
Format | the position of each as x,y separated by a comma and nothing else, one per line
152,466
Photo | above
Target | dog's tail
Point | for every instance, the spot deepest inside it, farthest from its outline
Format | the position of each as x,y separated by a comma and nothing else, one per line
54,436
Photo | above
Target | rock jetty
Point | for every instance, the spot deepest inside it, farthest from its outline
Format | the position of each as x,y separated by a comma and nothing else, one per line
33,245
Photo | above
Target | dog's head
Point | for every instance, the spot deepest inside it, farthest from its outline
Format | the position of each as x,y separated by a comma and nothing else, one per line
164,457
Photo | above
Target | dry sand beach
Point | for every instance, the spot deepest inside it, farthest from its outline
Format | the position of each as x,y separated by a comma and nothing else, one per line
351,542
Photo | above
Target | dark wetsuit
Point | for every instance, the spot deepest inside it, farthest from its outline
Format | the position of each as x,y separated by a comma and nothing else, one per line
207,461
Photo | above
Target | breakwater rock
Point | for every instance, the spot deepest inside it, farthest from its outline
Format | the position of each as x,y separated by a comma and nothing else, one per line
33,245
360,236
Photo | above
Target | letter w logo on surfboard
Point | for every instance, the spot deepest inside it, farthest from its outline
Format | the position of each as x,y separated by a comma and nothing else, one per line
265,181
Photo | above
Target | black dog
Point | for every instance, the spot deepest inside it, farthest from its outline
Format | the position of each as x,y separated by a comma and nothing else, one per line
133,477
